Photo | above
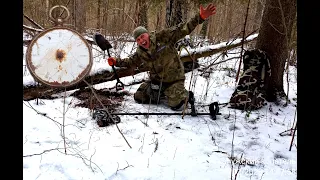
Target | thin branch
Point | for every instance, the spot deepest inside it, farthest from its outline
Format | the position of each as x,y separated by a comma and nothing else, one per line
63,121
43,114
174,155
213,64
124,167
294,132
220,152
84,159
242,41
48,150
32,21
235,176
156,147
212,138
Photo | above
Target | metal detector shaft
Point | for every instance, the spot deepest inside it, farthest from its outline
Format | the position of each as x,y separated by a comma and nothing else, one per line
177,113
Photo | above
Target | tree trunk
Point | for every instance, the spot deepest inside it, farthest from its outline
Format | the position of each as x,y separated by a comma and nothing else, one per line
99,14
47,10
80,16
173,12
142,14
169,4
105,17
258,15
274,36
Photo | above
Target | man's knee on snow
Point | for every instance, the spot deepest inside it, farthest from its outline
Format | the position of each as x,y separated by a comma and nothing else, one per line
141,97
176,93
145,94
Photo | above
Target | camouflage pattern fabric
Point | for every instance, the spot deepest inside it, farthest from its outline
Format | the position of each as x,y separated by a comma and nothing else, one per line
250,91
149,92
163,62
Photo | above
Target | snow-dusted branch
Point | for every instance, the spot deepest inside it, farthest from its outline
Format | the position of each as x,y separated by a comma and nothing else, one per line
45,151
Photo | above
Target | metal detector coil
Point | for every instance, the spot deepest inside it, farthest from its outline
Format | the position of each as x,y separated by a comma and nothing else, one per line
59,56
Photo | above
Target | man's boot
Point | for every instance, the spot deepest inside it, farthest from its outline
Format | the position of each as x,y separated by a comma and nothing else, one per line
191,100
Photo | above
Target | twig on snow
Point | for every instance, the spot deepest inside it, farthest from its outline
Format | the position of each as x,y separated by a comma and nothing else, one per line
48,150
174,155
156,147
294,132
43,114
123,168
212,138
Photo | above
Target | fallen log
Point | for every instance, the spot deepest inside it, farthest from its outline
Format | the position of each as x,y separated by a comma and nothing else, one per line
34,90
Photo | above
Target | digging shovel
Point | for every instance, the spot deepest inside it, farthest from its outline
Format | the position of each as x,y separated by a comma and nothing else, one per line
105,45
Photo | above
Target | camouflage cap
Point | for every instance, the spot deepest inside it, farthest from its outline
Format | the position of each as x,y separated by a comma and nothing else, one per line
138,31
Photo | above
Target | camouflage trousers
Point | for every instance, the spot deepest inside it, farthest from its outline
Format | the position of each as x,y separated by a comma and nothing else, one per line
152,93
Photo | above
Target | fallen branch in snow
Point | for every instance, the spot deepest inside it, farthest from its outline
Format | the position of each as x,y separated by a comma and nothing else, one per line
287,132
220,152
33,22
234,161
174,155
48,150
63,124
294,132
84,159
156,147
216,63
32,91
39,30
212,138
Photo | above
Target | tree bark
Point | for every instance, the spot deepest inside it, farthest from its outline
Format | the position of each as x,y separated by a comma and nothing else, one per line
173,12
142,13
80,16
99,14
274,38
258,15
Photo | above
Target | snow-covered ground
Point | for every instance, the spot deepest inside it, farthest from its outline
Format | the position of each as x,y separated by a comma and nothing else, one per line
169,147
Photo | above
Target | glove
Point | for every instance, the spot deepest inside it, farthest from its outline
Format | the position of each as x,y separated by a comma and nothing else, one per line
208,11
111,61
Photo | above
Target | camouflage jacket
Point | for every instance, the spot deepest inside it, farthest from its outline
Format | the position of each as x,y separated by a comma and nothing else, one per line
162,59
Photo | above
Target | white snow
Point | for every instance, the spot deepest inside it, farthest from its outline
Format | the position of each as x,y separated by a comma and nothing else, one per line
195,148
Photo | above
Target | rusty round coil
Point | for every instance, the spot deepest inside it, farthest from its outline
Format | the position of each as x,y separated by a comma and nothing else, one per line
59,57
59,20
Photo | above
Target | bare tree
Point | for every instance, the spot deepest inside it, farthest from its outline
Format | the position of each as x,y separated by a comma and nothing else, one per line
258,14
80,15
173,12
99,14
274,37
142,13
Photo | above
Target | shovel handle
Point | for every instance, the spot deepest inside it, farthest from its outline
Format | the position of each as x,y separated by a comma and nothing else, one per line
119,86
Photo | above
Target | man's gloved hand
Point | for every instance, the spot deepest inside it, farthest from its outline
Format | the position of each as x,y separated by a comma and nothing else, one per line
208,11
111,61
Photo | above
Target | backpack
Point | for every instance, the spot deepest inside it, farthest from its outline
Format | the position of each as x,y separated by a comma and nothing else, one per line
250,92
